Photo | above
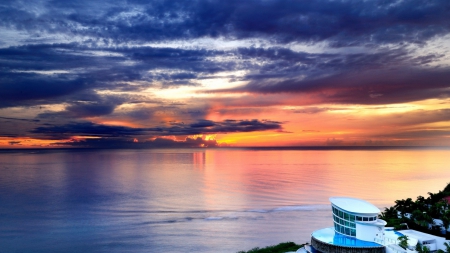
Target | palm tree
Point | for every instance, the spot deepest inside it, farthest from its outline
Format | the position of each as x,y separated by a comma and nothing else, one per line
446,220
438,209
409,205
389,213
400,205
403,241
404,206
447,248
422,249
421,218
421,199
447,188
435,197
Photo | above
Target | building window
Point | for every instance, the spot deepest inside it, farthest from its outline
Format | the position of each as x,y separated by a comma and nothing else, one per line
344,223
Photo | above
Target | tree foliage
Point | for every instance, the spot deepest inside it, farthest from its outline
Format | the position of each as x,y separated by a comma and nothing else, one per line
279,248
421,248
447,248
403,241
419,214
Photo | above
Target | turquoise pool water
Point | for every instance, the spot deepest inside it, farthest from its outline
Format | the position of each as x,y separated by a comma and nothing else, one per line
327,235
394,231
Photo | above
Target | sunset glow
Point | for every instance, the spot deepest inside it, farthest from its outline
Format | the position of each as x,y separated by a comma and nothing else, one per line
157,74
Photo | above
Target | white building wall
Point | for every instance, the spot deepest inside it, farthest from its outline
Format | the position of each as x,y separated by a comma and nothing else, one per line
397,249
440,243
368,232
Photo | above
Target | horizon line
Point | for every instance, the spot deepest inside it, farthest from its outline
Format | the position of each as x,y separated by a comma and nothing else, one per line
356,147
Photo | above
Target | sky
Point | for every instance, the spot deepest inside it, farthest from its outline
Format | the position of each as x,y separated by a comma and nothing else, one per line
207,73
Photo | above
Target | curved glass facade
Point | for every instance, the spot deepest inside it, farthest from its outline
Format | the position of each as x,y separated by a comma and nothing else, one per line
344,222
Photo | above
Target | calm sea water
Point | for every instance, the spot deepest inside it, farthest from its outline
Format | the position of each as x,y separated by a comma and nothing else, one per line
194,200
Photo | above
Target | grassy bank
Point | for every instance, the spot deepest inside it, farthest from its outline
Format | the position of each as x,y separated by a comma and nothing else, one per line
279,248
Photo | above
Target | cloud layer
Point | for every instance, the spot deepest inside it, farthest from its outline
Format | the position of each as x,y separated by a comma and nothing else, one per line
343,22
155,69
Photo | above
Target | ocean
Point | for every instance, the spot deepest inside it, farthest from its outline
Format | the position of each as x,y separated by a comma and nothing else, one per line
195,200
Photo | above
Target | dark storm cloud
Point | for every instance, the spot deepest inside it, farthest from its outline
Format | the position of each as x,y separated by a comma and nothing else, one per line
87,105
190,62
64,73
14,119
367,87
80,57
76,55
379,77
386,76
86,129
285,63
227,126
32,89
68,73
106,64
111,143
48,74
90,110
344,22
200,127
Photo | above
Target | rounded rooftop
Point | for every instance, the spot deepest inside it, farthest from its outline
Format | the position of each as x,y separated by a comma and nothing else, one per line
354,205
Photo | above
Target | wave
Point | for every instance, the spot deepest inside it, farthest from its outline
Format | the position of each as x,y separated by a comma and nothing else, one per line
302,208
292,208
213,211
214,218
244,214
258,211
223,215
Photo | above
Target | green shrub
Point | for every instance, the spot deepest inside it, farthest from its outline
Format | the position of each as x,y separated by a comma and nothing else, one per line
280,248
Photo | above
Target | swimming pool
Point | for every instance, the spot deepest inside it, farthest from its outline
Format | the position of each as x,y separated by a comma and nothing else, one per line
327,235
394,231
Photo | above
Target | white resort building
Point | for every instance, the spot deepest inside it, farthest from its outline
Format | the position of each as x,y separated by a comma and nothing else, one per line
357,229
